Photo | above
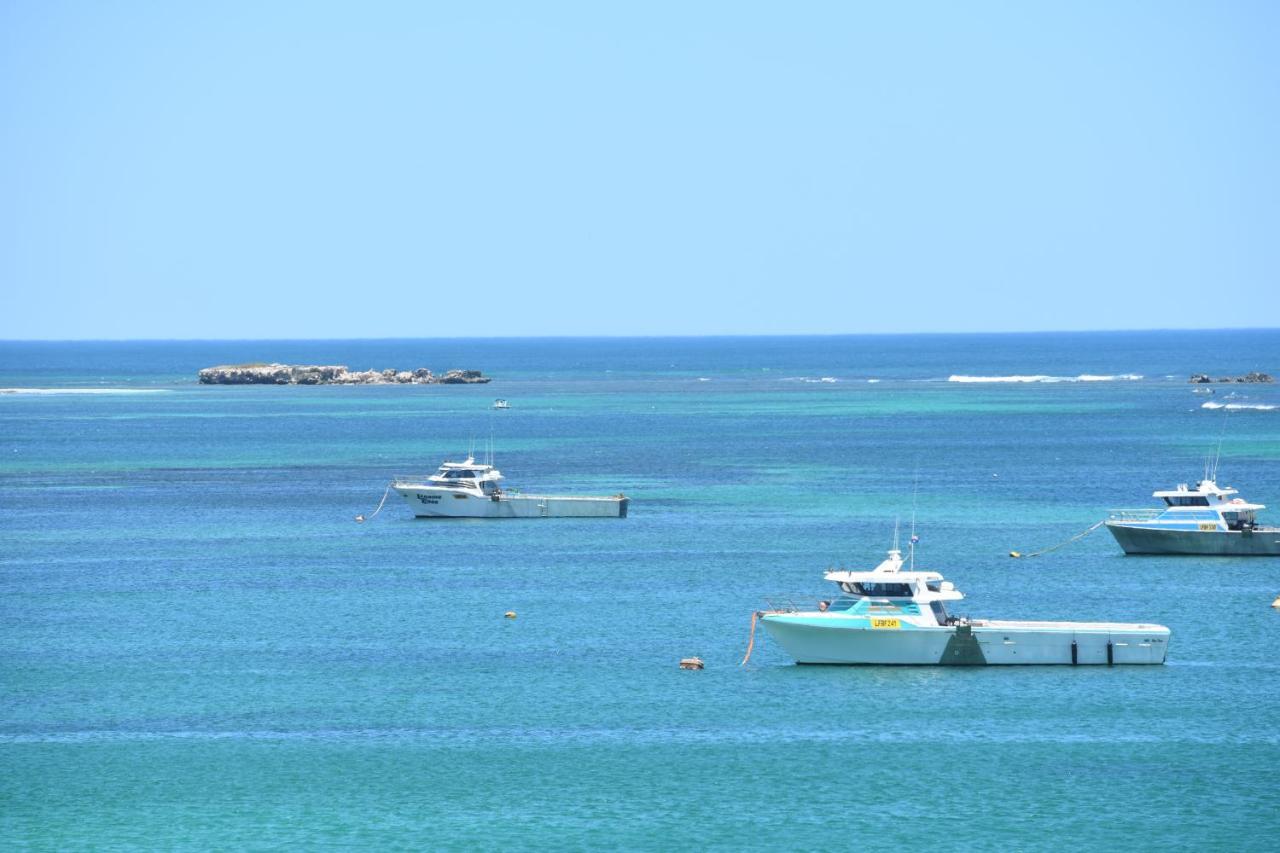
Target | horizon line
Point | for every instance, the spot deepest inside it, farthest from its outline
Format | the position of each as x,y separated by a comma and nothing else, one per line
643,336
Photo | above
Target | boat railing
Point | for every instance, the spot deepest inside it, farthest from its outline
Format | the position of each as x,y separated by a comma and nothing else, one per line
788,604
1133,514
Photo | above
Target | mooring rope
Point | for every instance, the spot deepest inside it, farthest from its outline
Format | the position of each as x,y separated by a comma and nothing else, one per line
755,617
362,519
1075,538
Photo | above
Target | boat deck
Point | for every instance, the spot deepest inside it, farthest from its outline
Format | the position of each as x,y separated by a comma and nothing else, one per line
1064,626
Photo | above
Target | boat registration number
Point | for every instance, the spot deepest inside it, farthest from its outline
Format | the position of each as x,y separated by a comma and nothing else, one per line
1206,526
885,623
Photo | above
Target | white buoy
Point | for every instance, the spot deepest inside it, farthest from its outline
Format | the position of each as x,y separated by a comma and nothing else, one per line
691,663
1276,603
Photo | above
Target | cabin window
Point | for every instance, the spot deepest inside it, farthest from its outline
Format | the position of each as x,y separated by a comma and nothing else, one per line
1187,500
939,612
883,590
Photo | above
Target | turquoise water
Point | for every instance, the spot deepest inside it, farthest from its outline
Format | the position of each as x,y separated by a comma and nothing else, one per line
201,648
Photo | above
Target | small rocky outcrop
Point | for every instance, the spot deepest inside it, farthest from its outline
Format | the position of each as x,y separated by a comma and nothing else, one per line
1255,376
331,374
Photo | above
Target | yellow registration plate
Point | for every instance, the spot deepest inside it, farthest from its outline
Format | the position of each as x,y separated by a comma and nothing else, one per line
1206,526
891,624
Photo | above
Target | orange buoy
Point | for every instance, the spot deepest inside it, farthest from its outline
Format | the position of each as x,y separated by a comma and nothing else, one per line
510,614
691,663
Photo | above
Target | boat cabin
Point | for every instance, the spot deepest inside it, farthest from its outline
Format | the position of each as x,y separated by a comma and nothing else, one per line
1210,502
888,592
467,475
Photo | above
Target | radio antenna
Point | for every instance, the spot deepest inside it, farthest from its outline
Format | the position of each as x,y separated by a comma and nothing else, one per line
1217,456
915,491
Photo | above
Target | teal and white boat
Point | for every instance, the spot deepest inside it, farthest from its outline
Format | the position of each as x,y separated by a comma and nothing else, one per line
1205,520
891,616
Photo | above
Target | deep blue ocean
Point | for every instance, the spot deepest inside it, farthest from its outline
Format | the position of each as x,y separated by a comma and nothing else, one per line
201,648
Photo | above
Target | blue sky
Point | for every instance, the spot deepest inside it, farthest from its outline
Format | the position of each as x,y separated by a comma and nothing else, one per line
385,169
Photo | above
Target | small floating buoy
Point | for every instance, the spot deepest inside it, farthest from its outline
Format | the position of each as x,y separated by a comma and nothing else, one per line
510,614
691,663
1015,554
360,519
1276,603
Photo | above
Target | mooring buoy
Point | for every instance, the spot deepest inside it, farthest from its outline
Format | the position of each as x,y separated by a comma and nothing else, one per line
510,614
1276,603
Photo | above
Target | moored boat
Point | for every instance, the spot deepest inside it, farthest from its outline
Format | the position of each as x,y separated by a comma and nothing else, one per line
896,617
1205,520
471,489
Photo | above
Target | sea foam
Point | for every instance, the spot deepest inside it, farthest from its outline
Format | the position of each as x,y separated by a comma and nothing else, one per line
1235,407
53,392
1040,377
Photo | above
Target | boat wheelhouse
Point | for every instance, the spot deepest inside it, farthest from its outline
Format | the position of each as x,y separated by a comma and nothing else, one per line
1207,519
895,617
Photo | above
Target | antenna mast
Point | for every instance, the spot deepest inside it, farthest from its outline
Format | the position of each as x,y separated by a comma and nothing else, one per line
915,490
1217,457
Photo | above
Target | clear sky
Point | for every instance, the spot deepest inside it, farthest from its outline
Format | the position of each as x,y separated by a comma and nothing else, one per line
388,169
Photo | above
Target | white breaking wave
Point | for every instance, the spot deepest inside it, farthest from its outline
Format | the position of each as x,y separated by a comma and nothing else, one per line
51,392
872,381
1040,377
1235,407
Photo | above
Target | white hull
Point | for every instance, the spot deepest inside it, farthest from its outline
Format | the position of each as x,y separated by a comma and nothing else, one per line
427,502
821,639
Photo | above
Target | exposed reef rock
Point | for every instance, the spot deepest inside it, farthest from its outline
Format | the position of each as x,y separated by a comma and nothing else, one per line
331,374
1255,376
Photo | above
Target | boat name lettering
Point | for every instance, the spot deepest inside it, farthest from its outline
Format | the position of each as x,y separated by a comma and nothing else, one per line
885,623
429,499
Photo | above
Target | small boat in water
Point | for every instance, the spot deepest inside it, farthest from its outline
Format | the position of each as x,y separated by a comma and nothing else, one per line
891,616
472,489
501,404
1205,520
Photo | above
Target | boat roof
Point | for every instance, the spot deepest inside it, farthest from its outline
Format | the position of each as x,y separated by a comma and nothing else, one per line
1204,487
876,576
887,572
469,465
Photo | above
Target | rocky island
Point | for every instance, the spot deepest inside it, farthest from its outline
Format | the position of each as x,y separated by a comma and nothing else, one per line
331,374
1255,376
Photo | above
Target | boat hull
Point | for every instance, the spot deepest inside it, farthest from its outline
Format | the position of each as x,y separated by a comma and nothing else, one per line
823,640
440,503
1136,539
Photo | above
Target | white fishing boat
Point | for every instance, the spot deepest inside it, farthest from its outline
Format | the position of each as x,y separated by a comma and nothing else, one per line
501,404
891,616
471,489
1207,519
